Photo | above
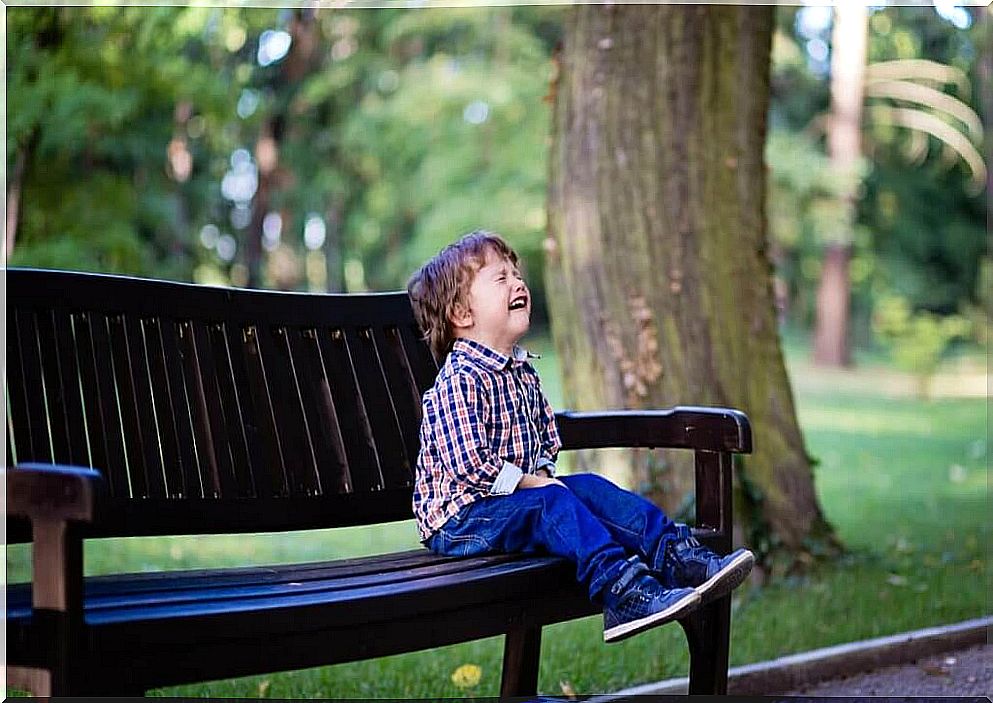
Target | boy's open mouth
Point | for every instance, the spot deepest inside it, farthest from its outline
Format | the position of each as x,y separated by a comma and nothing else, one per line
519,303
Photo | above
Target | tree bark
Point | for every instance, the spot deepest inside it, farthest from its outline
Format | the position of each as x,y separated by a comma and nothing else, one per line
660,287
15,190
833,301
844,136
14,201
297,63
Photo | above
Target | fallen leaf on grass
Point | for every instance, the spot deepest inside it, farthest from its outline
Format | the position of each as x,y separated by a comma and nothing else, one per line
567,690
896,580
264,687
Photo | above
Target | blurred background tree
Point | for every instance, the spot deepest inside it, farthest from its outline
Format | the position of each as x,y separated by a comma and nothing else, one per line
918,230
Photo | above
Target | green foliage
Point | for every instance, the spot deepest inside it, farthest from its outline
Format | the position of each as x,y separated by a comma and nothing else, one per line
928,236
92,93
451,142
918,340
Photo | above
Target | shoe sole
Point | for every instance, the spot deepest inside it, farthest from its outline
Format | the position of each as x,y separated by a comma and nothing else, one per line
681,607
727,579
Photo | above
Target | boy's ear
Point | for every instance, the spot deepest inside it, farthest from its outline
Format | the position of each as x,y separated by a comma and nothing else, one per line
461,316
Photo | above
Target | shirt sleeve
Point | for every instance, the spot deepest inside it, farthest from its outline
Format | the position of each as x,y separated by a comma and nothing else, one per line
463,445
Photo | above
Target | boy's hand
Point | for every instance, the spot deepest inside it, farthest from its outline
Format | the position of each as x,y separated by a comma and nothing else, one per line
533,481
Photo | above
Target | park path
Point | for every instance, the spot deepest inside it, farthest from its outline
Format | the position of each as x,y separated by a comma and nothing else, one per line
965,672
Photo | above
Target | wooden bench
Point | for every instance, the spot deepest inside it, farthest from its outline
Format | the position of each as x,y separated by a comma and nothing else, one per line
206,410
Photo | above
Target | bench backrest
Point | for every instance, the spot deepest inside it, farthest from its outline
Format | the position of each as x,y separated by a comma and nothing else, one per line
217,410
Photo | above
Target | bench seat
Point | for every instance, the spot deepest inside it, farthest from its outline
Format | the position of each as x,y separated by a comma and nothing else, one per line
221,623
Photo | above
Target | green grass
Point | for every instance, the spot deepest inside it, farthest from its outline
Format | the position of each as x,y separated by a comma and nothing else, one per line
904,482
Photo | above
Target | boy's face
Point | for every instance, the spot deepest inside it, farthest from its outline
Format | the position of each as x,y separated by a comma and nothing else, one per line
499,312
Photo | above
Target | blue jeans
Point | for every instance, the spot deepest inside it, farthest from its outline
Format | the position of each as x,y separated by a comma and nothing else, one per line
592,522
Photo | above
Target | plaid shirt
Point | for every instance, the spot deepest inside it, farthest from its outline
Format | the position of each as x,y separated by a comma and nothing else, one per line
485,423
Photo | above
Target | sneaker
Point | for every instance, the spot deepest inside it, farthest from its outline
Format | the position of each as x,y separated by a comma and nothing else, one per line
686,562
636,602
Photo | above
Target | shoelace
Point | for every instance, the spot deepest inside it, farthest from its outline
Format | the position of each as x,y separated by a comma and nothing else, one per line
692,548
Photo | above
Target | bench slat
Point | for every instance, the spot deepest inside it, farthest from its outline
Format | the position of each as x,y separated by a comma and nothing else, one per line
19,596
89,390
154,374
134,437
39,447
287,405
360,449
178,447
315,394
334,582
403,387
236,408
55,388
264,469
148,401
347,590
358,605
272,477
203,366
18,419
99,389
203,431
384,425
422,363
76,415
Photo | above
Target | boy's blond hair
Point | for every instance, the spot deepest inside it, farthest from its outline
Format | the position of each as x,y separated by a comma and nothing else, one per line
445,280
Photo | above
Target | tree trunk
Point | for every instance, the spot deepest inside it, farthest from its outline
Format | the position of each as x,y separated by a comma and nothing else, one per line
334,246
660,287
833,297
294,67
15,190
848,56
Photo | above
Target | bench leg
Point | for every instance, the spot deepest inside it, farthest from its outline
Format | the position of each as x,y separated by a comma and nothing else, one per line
708,632
521,656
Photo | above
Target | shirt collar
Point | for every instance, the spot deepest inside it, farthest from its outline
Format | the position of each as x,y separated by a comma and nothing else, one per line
489,357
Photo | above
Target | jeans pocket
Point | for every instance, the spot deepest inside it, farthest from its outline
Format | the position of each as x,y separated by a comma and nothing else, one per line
451,544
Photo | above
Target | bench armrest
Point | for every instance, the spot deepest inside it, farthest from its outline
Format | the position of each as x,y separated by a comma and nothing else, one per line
51,492
681,427
713,433
55,498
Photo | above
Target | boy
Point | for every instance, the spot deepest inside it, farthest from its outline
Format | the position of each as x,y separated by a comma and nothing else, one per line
486,470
